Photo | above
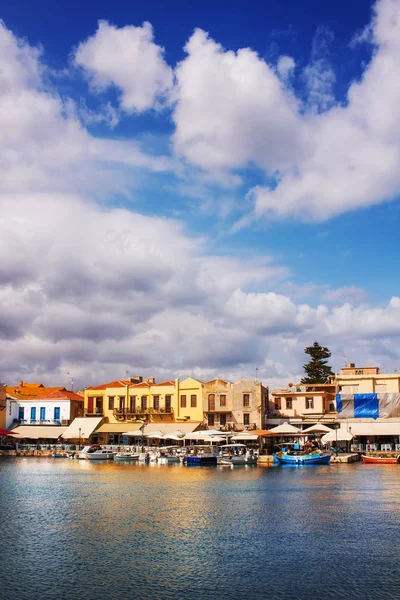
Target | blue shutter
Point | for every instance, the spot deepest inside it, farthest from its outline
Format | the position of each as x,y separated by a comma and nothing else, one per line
33,413
57,413
42,413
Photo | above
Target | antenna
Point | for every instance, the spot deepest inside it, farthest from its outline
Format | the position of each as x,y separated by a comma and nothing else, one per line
72,379
257,369
345,360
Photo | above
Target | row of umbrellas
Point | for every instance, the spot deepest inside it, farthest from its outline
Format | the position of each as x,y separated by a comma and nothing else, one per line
211,435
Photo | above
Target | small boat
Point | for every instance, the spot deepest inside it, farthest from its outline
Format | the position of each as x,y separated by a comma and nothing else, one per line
127,456
96,452
300,457
169,455
237,454
201,455
381,460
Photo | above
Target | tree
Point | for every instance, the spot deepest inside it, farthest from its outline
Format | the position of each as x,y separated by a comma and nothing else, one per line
317,369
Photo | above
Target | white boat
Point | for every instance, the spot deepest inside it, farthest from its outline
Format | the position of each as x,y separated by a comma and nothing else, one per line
95,452
169,455
127,456
237,454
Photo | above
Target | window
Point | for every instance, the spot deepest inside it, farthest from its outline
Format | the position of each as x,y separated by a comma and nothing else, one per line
359,372
143,402
246,399
211,419
132,404
277,403
289,403
56,413
349,389
193,401
99,406
111,402
33,413
122,403
380,388
21,413
211,401
42,413
156,402
222,419
167,403
246,419
332,407
183,401
309,403
222,400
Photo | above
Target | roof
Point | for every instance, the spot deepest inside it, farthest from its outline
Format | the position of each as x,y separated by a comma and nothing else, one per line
111,384
34,432
30,390
82,427
146,384
56,395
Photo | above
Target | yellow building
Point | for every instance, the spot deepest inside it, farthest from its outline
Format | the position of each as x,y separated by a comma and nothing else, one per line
3,406
365,380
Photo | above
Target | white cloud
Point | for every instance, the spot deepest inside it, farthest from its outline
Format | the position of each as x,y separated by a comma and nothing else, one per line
285,66
232,110
127,58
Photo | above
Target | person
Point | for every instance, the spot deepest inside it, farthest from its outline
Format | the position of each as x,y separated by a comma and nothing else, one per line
368,445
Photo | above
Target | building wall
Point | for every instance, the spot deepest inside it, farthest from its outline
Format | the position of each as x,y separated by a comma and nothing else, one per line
11,412
3,407
368,384
191,389
301,402
49,406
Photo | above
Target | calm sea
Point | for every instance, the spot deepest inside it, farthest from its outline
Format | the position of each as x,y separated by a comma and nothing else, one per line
75,530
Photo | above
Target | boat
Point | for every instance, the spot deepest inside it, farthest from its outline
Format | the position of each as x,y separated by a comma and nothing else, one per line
237,454
201,455
126,456
381,460
96,452
287,456
169,455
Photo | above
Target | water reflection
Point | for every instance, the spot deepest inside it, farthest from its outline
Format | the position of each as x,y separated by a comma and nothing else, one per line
77,529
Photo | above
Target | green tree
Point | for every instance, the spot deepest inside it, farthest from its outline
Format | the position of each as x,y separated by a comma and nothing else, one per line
317,369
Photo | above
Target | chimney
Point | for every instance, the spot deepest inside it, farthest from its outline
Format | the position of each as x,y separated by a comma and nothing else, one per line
352,365
21,383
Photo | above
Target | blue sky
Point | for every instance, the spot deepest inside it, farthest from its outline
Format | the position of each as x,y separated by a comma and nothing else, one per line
258,140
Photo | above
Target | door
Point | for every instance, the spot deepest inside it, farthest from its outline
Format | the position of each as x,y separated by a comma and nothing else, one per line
42,413
56,413
222,419
90,406
21,413
33,413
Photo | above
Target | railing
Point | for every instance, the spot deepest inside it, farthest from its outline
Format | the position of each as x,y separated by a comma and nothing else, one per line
98,412
38,421
127,413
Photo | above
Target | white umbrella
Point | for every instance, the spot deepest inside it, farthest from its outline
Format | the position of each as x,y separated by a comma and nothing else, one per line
285,429
338,434
198,435
319,428
178,434
176,438
137,433
155,434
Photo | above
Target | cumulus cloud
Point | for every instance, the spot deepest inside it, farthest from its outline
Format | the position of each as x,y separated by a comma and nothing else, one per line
128,59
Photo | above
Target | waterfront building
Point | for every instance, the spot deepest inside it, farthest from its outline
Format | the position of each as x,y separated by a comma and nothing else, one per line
302,405
123,403
235,406
369,406
45,416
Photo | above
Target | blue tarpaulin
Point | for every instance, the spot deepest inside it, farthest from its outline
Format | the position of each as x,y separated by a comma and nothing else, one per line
366,406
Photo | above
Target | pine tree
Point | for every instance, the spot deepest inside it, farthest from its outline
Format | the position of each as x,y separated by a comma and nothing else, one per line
317,369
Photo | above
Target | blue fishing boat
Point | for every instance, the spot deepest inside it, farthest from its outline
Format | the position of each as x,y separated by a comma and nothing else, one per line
290,457
201,455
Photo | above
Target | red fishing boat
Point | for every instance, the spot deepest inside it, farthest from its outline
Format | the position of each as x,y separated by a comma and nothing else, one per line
381,460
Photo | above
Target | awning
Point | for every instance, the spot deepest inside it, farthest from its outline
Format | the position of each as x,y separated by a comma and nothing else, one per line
35,432
375,428
112,428
244,436
82,427
164,428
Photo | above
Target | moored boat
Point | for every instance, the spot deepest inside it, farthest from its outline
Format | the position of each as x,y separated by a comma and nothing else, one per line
126,456
236,454
294,457
96,452
381,460
201,455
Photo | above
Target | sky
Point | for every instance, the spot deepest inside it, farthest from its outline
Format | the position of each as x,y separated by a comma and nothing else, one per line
196,188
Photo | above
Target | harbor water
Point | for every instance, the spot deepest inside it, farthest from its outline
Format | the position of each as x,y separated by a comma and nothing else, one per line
89,531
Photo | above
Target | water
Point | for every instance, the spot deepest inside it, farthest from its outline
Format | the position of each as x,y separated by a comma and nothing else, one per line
78,530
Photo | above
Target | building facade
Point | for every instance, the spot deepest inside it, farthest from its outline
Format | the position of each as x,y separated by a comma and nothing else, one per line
302,405
235,406
56,408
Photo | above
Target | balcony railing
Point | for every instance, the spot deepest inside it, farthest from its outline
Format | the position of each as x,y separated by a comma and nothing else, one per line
38,421
96,412
130,414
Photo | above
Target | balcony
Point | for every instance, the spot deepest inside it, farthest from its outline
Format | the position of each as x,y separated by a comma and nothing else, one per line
38,421
96,412
124,414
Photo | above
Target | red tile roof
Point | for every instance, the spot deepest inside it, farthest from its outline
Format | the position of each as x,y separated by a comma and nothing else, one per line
62,395
111,384
29,391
